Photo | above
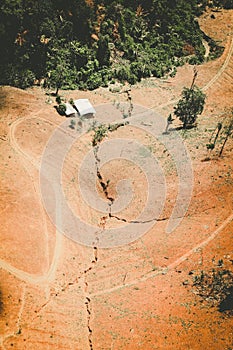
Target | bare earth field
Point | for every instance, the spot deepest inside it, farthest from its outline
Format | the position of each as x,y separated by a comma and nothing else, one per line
156,292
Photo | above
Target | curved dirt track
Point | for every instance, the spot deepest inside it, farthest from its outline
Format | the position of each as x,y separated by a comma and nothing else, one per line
25,156
80,294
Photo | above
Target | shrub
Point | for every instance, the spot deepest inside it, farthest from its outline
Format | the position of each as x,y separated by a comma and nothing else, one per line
133,79
61,108
100,132
136,69
18,77
94,81
103,52
58,99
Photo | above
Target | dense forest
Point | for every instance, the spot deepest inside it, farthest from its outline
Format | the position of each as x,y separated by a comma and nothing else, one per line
87,44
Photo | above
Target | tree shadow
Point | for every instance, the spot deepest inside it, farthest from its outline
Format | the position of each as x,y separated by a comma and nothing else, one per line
51,94
1,302
226,305
188,127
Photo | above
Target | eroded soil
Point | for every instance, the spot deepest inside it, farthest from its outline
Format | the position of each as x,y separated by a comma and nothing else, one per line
58,294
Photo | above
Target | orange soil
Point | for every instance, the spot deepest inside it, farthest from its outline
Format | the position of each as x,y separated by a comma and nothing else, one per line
57,294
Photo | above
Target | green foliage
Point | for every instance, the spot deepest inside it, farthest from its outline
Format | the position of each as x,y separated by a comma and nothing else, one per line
124,73
210,146
16,76
100,132
215,287
133,40
72,124
58,99
94,81
190,105
103,51
61,108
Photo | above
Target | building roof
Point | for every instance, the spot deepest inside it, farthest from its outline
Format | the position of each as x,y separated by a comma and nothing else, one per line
84,106
69,109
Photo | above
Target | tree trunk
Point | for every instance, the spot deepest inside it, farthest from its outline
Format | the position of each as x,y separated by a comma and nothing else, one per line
223,145
228,133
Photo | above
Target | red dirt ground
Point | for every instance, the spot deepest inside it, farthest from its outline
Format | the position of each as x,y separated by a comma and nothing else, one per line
58,294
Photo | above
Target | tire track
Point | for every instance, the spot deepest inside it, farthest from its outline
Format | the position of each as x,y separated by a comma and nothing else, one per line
49,276
22,275
210,83
222,69
171,266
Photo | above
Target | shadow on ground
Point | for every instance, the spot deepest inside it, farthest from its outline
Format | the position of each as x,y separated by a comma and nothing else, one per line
1,302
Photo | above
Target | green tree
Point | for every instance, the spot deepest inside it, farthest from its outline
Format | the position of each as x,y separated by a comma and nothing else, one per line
103,51
190,105
58,67
77,41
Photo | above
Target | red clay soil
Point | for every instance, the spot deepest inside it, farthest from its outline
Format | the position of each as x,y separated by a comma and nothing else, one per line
58,294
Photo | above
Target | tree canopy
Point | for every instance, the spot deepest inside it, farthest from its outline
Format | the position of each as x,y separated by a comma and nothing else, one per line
190,105
85,44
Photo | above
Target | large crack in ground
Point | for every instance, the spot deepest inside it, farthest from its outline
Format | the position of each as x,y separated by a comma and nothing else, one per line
105,185
87,297
138,221
105,188
82,279
88,307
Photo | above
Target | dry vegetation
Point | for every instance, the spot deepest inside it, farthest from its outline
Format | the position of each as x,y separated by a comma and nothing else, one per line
161,291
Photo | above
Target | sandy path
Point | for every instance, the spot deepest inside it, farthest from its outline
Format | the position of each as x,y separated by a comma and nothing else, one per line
173,265
25,158
34,279
52,271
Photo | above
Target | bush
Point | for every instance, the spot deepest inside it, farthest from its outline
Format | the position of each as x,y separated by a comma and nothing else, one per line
100,132
138,69
173,72
61,108
58,99
106,74
94,81
133,79
103,51
123,73
18,77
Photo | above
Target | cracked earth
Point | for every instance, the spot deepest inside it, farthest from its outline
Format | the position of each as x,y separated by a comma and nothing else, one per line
58,294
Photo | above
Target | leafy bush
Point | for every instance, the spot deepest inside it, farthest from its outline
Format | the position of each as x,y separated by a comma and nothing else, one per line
18,77
124,74
58,99
140,70
94,81
100,132
61,108
103,51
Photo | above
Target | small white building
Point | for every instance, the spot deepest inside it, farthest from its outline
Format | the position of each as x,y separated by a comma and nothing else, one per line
70,110
84,107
